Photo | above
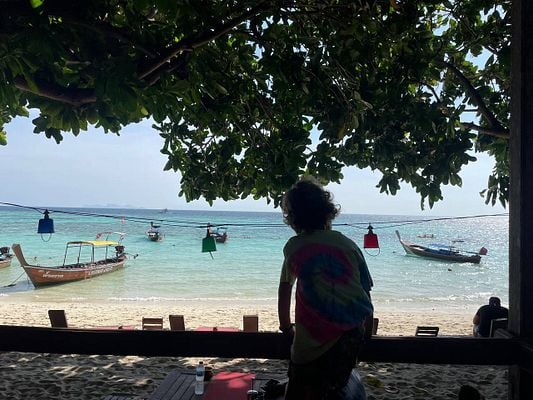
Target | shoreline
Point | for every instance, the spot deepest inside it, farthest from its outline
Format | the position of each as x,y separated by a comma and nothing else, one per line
394,321
45,376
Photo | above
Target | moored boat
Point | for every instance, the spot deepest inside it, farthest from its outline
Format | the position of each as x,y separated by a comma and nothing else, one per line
5,257
154,233
446,253
220,235
113,259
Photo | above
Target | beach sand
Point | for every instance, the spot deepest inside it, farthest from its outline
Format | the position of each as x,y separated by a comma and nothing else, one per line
52,376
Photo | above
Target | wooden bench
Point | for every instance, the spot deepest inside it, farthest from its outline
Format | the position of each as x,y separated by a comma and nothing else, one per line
427,331
150,324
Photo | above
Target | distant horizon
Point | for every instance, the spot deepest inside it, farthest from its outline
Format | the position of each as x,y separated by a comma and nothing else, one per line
96,169
57,208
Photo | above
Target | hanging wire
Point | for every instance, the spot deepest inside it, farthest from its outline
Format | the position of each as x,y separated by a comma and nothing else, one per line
15,281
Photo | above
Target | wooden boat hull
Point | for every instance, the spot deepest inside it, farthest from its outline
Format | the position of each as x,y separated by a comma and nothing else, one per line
221,239
155,236
443,255
5,263
42,276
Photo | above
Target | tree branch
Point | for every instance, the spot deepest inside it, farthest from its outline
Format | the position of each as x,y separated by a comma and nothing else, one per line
109,31
432,89
189,44
73,96
502,134
495,125
179,62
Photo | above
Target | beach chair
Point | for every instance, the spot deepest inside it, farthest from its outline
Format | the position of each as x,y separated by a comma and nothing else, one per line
58,318
177,322
497,323
427,331
250,323
152,324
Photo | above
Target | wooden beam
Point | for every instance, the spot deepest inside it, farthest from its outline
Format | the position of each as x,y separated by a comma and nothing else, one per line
439,350
521,163
521,191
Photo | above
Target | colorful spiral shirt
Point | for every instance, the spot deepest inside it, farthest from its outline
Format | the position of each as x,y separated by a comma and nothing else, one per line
332,290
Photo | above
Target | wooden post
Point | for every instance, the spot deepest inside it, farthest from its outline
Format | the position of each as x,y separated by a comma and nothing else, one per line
521,194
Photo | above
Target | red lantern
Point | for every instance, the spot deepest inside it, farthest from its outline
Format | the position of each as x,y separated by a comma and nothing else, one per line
370,239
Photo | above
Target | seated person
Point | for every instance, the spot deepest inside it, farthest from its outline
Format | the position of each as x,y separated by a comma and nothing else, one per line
486,314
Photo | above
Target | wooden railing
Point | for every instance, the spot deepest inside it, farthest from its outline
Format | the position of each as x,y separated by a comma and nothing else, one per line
270,345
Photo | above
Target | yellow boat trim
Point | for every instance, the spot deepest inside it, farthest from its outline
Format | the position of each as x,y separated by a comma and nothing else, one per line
95,243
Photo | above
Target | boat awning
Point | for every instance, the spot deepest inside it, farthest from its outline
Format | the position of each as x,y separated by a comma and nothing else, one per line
95,243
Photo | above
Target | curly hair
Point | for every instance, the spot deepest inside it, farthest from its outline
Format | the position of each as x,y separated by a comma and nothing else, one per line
308,207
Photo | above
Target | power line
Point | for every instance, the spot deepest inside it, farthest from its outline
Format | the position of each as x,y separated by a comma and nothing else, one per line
191,224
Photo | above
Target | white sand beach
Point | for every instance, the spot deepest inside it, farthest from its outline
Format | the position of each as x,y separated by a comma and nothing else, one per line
52,376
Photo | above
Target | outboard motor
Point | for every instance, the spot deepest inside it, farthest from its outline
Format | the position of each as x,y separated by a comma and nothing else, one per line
120,251
4,251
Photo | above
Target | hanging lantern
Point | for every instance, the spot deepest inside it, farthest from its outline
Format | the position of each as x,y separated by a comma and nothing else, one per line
208,243
46,224
370,239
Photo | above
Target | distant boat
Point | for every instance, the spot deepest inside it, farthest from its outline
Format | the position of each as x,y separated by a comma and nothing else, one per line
441,252
113,259
154,233
220,235
5,257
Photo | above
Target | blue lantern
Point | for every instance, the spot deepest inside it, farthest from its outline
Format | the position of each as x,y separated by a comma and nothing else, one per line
46,224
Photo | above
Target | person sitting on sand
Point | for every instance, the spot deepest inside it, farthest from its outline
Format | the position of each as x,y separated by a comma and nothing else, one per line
486,314
332,295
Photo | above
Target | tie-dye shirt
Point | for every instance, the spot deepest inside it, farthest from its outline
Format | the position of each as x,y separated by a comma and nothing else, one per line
332,290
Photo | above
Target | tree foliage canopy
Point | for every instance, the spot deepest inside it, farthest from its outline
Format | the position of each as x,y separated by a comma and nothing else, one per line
238,88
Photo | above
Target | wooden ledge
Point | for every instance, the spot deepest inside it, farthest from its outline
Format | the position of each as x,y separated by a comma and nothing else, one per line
270,345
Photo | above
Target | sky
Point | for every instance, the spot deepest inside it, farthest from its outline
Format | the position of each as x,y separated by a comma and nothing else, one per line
105,170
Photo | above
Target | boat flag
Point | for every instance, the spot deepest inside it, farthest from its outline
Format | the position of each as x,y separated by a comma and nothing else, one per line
483,251
123,220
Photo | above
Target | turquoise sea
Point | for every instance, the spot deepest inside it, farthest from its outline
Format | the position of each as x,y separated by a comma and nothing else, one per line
246,268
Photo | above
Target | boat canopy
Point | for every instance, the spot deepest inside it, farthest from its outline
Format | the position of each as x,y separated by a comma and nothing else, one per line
95,243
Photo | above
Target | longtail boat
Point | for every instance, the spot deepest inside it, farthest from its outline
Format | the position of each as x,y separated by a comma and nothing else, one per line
5,257
445,253
113,259
220,235
154,233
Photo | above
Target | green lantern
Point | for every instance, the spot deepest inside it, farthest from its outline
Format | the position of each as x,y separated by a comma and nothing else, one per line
208,243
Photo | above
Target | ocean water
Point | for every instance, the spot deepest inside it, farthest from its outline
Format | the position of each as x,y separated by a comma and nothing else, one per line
246,268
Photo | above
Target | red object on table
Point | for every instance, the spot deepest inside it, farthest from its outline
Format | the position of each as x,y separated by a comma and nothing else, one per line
229,385
216,329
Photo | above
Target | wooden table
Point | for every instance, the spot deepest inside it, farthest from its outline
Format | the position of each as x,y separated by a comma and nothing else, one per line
179,385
